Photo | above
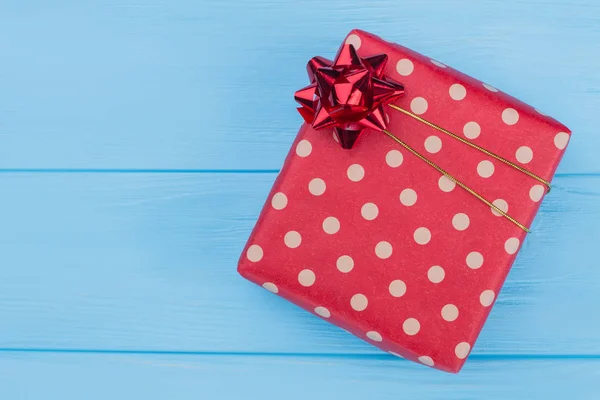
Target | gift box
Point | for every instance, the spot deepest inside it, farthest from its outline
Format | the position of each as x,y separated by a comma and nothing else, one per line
406,247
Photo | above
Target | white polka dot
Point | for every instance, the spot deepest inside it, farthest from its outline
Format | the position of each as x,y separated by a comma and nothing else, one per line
374,336
536,193
472,130
383,250
408,197
450,312
512,245
317,186
355,172
510,116
331,225
487,298
501,204
405,67
474,260
411,326
422,235
395,354
359,302
292,239
433,144
369,211
490,88
426,360
446,184
354,40
460,221
457,91
335,138
322,311
462,350
485,169
394,158
345,263
303,148
561,140
306,277
254,253
279,201
397,288
418,105
439,64
436,274
524,154
271,287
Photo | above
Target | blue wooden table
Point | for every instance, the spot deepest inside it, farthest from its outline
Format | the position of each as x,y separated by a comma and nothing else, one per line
138,141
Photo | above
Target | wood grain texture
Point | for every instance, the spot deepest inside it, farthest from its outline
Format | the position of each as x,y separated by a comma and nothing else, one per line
121,284
127,376
147,262
208,84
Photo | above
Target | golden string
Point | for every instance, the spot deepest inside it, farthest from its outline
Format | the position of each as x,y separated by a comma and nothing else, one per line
453,179
473,145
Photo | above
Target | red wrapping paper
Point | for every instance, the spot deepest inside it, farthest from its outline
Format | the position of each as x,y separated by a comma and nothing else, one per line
376,241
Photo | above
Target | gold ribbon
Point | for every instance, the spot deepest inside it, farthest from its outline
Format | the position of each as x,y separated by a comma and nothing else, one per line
470,144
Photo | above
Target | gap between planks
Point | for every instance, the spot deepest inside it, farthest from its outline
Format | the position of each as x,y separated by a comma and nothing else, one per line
365,356
188,171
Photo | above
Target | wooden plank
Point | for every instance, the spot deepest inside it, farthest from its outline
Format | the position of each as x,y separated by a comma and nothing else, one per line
76,376
148,261
172,85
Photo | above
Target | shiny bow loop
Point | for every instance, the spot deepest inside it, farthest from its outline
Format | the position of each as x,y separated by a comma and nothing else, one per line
347,94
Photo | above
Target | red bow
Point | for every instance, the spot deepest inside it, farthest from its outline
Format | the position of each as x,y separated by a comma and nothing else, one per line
347,94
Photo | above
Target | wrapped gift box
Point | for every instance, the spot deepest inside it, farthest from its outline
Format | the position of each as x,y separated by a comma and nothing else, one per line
377,242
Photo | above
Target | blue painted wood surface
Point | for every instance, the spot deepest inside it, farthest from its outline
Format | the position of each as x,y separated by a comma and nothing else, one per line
138,141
